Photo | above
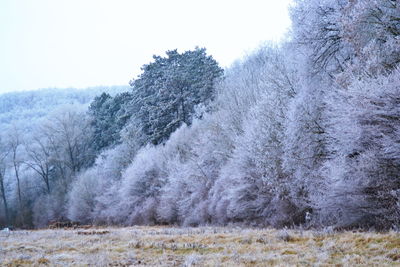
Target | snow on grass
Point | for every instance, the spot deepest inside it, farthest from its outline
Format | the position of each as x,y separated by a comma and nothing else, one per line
203,246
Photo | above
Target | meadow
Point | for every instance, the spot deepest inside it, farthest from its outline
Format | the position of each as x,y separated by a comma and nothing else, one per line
202,246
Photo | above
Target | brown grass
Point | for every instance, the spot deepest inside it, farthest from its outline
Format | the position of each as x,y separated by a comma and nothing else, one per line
203,246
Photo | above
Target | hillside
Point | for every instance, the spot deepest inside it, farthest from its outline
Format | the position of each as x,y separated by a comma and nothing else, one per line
27,106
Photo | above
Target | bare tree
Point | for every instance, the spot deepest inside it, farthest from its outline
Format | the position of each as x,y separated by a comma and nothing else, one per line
39,159
4,151
14,142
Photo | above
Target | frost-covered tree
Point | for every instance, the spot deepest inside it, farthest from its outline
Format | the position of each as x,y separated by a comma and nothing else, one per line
108,118
69,135
322,52
60,147
140,187
254,174
166,93
197,154
318,33
82,197
372,29
256,169
58,151
93,196
305,143
39,159
362,187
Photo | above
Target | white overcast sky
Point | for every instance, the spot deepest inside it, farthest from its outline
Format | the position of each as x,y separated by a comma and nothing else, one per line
81,43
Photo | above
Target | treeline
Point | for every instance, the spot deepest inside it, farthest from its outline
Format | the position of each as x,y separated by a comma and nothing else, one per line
306,132
30,122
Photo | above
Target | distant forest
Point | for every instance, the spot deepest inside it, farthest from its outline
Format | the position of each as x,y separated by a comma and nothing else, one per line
26,106
303,133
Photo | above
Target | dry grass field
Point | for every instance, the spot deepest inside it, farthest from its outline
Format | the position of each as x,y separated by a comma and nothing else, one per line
204,246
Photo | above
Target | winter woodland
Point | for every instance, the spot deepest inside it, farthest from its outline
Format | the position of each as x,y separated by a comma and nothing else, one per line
303,133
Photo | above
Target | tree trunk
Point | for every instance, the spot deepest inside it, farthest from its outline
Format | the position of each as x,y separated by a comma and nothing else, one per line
16,170
3,194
